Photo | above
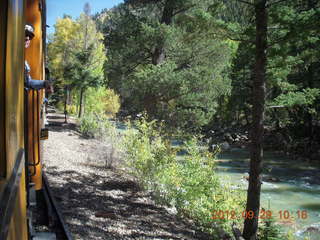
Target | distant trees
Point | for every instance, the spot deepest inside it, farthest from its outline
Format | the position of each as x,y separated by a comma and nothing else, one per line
166,58
292,94
284,33
60,53
76,56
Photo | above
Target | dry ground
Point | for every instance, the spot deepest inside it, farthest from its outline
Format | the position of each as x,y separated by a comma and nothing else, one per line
99,202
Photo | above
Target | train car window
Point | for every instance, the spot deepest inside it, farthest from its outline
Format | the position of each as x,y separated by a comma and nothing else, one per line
3,30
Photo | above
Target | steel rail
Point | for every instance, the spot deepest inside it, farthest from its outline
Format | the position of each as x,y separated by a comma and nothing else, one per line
66,233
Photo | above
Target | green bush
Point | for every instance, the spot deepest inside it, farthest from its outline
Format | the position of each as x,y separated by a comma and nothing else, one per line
89,125
72,109
102,101
189,183
60,106
269,230
146,151
95,126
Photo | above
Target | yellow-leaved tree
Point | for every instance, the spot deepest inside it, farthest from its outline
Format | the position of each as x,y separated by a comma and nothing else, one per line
76,57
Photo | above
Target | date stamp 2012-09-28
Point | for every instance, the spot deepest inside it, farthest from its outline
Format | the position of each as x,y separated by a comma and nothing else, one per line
262,214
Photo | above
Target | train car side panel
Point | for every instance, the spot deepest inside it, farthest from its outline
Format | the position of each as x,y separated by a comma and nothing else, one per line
14,107
3,30
18,225
35,59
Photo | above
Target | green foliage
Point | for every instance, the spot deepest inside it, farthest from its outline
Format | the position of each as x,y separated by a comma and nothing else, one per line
305,98
188,63
60,106
188,183
76,56
102,102
61,46
89,125
146,150
184,87
72,109
292,68
95,126
73,43
269,230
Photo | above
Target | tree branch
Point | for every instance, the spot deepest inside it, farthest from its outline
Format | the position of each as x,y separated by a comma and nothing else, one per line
166,99
273,3
240,40
277,106
189,107
183,10
130,70
288,36
242,1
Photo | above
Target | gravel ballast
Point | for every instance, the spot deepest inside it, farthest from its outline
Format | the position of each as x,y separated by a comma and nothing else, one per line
99,202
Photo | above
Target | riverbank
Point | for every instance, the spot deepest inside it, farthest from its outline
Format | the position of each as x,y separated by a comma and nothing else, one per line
275,140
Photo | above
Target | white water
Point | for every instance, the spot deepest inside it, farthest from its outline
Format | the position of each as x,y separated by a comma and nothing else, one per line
295,187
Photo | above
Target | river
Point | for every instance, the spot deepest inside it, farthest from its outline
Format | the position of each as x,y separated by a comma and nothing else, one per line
290,190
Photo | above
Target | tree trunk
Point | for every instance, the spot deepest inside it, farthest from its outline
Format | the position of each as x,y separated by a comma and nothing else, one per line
81,103
308,117
65,105
258,110
167,14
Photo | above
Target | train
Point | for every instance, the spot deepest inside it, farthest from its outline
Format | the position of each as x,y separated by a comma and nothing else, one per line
22,114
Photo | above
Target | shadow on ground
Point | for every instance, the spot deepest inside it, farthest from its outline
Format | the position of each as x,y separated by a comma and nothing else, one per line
56,122
115,202
101,203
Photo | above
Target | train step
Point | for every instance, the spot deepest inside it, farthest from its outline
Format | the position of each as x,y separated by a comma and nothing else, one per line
44,236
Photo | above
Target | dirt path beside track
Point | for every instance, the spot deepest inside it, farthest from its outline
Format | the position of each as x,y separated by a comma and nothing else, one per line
102,203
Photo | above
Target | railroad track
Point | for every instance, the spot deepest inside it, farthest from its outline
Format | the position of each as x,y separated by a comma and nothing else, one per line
55,217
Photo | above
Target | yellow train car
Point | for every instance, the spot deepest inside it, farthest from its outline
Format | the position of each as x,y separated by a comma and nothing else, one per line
20,114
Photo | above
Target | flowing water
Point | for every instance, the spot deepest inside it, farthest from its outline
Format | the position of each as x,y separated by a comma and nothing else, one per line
290,189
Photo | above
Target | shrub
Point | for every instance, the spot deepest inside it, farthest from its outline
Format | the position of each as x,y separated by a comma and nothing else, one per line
102,101
269,230
89,125
60,106
189,184
72,109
